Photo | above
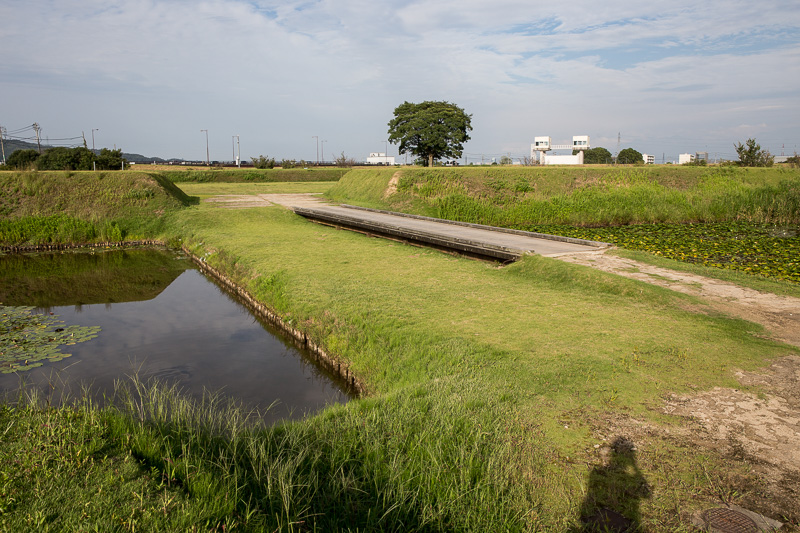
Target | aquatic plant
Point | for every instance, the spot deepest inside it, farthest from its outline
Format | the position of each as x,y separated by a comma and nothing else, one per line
28,339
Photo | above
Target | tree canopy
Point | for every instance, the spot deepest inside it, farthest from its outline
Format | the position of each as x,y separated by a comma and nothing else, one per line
22,159
61,158
595,156
430,130
751,154
629,156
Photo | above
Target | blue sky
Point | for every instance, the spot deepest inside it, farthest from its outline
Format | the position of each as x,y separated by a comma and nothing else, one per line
668,77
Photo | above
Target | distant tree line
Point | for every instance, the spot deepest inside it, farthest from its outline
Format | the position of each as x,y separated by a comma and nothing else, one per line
60,158
266,162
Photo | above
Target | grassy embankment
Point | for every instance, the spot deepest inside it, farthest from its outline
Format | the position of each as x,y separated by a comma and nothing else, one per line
491,388
729,218
597,196
247,175
39,208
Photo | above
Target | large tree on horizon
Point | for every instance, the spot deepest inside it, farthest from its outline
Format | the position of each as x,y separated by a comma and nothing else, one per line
629,156
595,156
430,130
751,154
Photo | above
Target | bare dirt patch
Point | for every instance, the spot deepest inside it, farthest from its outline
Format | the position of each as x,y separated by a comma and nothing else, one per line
242,201
392,188
295,200
237,201
760,429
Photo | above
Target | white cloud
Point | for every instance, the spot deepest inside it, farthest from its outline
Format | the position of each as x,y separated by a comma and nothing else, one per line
154,71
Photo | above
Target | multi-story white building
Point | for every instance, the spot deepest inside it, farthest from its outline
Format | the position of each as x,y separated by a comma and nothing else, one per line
685,158
542,145
649,159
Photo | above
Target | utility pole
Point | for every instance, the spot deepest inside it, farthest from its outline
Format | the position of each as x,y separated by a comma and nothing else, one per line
317,138
37,129
239,157
208,156
94,130
2,146
322,144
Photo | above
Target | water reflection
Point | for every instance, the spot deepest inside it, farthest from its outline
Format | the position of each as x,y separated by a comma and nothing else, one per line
193,333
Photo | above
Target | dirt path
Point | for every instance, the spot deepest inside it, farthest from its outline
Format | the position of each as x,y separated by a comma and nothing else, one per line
241,201
780,315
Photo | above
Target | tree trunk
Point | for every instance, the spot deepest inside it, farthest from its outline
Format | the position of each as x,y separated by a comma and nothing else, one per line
430,160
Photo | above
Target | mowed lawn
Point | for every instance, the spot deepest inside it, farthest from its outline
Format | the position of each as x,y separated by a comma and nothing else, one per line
542,361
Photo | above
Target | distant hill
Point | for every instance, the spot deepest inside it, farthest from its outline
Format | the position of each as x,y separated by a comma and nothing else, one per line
10,146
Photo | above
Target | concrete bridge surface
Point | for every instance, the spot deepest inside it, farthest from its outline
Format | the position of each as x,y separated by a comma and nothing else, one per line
486,242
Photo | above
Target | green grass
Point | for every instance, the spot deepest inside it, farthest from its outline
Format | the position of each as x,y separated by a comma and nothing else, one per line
727,217
230,175
205,190
63,471
528,345
84,207
522,197
489,386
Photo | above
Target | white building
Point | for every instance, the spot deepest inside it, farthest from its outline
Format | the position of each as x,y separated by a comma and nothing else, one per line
542,145
380,158
649,159
685,158
546,159
580,142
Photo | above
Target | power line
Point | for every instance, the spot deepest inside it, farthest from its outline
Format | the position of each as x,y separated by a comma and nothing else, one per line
26,128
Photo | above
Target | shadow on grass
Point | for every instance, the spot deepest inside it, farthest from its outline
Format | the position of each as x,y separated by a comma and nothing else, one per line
614,492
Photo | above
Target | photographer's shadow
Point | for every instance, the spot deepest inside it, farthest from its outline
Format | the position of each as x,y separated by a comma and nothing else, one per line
614,493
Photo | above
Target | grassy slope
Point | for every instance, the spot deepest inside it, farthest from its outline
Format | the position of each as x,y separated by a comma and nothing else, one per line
542,199
44,207
251,175
205,190
491,387
528,346
522,197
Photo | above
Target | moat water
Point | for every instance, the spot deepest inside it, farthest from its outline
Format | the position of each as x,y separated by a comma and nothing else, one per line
161,318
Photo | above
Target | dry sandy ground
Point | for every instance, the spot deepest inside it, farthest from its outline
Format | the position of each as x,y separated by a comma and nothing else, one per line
240,201
763,429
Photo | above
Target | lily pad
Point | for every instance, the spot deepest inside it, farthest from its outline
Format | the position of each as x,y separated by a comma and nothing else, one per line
28,339
761,249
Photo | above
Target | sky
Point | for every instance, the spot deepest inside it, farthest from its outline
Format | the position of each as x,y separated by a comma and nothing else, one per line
306,79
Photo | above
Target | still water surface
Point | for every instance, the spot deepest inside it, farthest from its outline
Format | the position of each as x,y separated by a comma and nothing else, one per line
183,329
